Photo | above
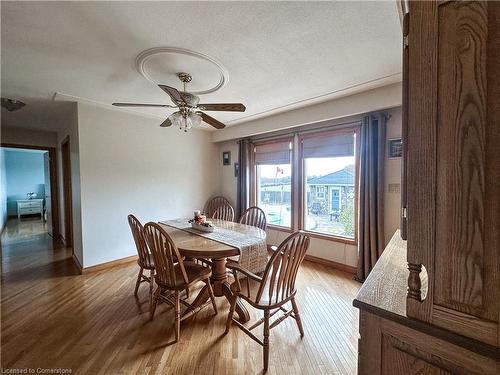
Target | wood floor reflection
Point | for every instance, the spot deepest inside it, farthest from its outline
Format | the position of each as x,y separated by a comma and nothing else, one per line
24,229
53,317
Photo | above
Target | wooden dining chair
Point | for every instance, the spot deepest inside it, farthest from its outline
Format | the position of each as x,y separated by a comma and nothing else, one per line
255,217
224,212
214,203
173,275
145,259
276,288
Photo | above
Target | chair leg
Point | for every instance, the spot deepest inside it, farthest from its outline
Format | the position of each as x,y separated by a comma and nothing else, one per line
297,317
151,281
237,280
138,282
211,294
266,339
151,285
177,315
229,320
154,301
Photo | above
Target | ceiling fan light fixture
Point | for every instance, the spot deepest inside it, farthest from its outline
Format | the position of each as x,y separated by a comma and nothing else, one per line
12,105
189,114
195,119
186,120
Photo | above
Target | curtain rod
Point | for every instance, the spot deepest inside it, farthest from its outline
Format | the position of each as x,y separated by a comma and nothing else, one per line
303,129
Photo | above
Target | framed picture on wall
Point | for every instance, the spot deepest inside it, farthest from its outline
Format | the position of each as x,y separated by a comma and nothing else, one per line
395,148
226,158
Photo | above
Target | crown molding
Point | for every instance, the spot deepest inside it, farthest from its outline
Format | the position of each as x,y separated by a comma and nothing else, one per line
335,94
59,96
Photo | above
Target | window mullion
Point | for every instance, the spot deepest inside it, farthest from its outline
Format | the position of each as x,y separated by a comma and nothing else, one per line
297,183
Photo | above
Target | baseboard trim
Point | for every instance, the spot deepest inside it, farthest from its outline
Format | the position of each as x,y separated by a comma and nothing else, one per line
113,263
77,263
325,262
331,263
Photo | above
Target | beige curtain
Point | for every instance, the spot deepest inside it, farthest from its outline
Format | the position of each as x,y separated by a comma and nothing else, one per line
371,193
245,151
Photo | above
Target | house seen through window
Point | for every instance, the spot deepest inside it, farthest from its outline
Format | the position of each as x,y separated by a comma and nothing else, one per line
329,184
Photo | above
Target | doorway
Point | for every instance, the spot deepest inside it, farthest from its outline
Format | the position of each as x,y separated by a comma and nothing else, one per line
67,195
30,192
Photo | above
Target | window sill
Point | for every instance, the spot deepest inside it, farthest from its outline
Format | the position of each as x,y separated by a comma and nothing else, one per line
279,229
332,238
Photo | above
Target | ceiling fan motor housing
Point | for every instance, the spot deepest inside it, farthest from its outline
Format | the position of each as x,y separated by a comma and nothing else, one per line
190,99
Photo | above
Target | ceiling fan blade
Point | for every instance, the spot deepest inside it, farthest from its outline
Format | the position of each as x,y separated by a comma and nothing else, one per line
166,123
174,94
142,105
211,121
234,107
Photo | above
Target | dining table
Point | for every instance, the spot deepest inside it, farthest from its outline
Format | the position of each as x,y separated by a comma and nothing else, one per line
228,240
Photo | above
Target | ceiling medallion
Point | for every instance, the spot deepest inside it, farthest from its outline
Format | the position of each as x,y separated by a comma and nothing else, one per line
161,65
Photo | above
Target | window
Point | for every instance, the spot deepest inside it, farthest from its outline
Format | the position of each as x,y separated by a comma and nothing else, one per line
326,164
330,169
274,182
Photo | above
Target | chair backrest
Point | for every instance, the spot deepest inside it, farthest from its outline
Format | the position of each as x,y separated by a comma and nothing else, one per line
223,212
145,257
254,216
165,254
278,281
214,203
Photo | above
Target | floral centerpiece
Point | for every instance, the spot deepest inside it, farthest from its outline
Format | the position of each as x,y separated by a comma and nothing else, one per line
200,222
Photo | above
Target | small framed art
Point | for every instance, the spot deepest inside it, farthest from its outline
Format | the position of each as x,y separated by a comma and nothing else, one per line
226,158
395,149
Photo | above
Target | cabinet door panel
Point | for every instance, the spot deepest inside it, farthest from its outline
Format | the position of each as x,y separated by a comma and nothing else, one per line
454,232
461,137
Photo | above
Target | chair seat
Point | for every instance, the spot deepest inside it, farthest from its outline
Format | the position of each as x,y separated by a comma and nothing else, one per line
194,272
264,299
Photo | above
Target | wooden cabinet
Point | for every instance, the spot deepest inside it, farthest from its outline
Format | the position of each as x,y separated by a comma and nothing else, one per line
453,166
445,316
391,342
404,350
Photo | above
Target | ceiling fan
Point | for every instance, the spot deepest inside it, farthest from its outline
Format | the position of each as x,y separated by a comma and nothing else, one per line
189,113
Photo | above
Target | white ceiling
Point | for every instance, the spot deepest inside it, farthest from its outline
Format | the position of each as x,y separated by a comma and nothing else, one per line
278,55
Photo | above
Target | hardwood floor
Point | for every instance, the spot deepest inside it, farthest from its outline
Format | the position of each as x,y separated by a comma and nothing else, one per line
54,318
24,229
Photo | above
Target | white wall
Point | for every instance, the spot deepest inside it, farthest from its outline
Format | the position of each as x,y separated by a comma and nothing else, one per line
29,137
3,191
71,131
392,200
364,102
228,181
128,164
330,250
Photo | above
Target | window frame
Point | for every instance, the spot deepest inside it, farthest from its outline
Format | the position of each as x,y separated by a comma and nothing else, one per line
355,129
254,189
298,191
